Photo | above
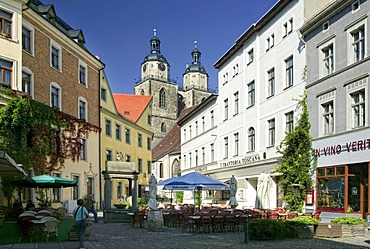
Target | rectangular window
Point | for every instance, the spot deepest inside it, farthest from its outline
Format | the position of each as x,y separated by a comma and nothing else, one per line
119,189
212,152
82,110
196,128
272,40
6,69
236,144
328,59
6,24
103,94
26,40
190,160
251,139
190,132
82,74
26,83
290,29
289,71
83,152
128,136
118,131
236,103
55,58
140,165
251,94
128,158
358,43
212,119
226,109
149,120
268,44
328,117
56,194
203,156
271,124
285,29
149,143
358,108
108,127
289,123
203,124
226,147
108,153
149,166
196,158
185,161
55,98
271,82
75,195
139,140
250,56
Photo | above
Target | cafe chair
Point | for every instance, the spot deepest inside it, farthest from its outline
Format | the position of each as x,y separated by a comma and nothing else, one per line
27,228
61,212
50,228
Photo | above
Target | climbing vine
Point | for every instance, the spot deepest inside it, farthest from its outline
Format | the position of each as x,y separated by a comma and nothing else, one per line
41,137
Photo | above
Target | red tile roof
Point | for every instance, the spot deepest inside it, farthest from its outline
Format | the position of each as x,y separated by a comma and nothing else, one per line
131,106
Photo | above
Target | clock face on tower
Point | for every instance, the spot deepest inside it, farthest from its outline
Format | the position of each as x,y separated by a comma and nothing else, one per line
161,67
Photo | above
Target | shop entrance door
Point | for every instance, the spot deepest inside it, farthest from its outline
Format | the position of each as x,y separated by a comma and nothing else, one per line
358,185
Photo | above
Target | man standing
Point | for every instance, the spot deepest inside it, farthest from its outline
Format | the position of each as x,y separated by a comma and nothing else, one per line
90,206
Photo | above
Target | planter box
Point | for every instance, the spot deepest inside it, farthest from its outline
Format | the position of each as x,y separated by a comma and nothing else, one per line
72,236
330,230
305,232
353,230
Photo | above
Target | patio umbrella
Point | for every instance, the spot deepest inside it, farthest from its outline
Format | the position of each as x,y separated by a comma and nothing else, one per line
45,181
233,187
263,195
152,203
8,167
193,181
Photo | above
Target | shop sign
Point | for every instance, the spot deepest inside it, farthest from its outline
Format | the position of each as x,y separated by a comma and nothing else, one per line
352,146
243,161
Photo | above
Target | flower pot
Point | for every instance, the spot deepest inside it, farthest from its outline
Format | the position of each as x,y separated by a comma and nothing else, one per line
120,206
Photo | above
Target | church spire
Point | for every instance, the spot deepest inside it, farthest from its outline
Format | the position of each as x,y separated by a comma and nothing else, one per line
155,43
195,54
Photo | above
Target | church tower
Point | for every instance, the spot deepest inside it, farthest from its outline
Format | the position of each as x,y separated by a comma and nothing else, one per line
155,81
195,80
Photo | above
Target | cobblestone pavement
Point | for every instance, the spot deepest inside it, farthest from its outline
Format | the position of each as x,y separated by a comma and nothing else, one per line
118,235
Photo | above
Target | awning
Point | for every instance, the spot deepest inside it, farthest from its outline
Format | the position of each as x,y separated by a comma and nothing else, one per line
8,167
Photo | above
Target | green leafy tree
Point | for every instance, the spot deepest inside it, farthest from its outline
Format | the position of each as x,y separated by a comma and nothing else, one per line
298,160
38,136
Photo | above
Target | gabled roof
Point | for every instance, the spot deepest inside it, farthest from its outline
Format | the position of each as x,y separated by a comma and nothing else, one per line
131,106
171,143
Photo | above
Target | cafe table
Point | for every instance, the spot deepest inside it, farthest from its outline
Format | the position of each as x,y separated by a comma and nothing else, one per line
39,224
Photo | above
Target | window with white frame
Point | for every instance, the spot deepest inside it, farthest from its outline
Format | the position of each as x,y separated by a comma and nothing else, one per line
82,108
251,139
268,43
272,40
26,40
108,127
236,103
251,94
6,24
190,160
55,55
236,144
128,158
328,59
82,73
226,109
355,6
203,156
328,117
290,28
203,124
212,152
190,132
271,82
325,26
226,147
27,80
185,161
108,154
6,72
196,158
289,71
185,138
250,56
358,108
271,132
55,96
83,151
289,121
212,118
358,43
196,128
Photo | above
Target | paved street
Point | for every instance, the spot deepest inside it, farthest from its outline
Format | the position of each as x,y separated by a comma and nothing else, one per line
117,236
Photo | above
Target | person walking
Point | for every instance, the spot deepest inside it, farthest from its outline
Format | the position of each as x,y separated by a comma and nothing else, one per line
80,213
90,207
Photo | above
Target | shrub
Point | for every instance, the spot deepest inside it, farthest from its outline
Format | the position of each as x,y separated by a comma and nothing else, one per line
267,229
349,220
304,221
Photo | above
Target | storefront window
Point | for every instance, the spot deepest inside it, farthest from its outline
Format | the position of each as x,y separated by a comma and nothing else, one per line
331,193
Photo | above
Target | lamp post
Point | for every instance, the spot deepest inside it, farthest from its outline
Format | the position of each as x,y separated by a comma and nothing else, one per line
296,186
246,237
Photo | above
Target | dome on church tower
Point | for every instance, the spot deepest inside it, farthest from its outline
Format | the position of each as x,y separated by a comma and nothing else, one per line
155,50
196,65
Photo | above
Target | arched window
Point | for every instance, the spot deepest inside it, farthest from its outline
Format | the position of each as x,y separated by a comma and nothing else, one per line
161,170
163,127
251,139
162,98
176,169
142,92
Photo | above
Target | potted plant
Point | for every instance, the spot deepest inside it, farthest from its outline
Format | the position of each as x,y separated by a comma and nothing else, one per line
351,226
304,226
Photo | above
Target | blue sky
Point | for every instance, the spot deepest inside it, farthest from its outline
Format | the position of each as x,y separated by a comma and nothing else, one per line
118,31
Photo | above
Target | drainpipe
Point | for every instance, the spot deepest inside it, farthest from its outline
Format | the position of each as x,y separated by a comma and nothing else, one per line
100,149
